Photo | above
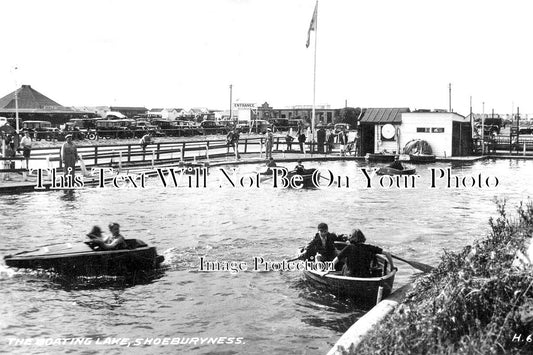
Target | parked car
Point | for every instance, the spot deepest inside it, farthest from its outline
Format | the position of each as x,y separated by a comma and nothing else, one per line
244,126
72,129
525,130
40,130
212,127
340,126
115,128
281,123
293,123
260,126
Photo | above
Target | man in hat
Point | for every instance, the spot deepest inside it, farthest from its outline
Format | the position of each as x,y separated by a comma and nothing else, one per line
359,255
269,143
69,156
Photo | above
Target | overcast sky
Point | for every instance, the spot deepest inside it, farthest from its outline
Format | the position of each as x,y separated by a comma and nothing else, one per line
186,53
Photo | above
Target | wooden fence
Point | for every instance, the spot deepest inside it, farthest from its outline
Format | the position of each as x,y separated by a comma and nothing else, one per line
123,155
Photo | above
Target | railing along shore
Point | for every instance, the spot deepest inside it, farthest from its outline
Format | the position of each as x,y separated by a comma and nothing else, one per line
116,155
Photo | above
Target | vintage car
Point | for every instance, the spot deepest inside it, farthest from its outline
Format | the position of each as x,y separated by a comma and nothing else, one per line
41,130
115,128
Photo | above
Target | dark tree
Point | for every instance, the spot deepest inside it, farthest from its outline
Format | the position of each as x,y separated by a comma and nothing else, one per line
349,115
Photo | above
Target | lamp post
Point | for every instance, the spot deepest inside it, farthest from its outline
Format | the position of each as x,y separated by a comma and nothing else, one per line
230,102
16,102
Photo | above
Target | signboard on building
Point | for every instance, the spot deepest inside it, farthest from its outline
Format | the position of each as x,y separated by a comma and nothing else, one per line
244,106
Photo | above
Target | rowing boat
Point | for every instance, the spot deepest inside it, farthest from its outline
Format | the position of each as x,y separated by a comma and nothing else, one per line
310,178
362,289
83,258
380,157
387,170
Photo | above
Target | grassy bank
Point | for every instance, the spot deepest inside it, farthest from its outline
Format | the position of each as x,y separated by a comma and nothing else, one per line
474,302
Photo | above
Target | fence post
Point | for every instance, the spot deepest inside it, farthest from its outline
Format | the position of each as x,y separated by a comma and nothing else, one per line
261,148
183,152
95,155
207,150
153,158
158,149
119,161
48,173
245,145
129,153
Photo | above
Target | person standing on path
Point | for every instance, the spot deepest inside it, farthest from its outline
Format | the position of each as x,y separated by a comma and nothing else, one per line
25,144
69,156
269,143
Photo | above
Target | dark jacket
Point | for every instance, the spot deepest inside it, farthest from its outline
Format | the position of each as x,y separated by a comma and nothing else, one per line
316,246
358,258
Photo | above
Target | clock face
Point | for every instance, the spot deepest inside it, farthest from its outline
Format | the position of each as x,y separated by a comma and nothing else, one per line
388,131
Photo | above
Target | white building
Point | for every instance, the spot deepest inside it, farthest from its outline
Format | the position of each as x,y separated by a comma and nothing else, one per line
388,130
448,133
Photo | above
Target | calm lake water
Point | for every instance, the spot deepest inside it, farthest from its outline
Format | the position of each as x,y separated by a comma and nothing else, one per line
274,312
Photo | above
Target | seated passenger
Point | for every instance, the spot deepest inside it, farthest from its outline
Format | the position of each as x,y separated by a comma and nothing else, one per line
116,241
96,233
270,164
299,168
322,247
359,256
396,165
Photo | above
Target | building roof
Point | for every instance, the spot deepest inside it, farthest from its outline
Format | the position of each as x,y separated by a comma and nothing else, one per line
384,115
127,108
31,100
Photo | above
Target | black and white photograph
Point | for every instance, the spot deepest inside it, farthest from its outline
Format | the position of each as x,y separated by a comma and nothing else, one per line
266,177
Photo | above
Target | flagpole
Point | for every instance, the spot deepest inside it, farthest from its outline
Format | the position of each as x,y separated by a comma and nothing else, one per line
314,82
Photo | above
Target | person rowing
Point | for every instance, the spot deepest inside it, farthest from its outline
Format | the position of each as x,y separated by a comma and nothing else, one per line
322,247
397,164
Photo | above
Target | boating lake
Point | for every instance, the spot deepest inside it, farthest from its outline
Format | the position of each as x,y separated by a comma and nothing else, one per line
269,311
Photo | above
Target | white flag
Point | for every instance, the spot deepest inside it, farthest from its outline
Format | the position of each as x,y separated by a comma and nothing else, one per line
312,26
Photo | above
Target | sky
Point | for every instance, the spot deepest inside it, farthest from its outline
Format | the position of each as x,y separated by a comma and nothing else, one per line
187,53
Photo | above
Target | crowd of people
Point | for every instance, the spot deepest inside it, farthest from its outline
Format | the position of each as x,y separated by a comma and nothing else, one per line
325,140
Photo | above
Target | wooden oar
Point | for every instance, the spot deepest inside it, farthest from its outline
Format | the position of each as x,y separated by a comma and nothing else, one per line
415,264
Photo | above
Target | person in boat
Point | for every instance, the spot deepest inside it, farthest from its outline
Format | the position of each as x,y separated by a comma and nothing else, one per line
299,168
358,255
96,233
116,241
270,164
397,164
322,247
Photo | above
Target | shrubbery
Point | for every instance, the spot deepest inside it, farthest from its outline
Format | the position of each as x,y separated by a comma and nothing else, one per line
474,302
